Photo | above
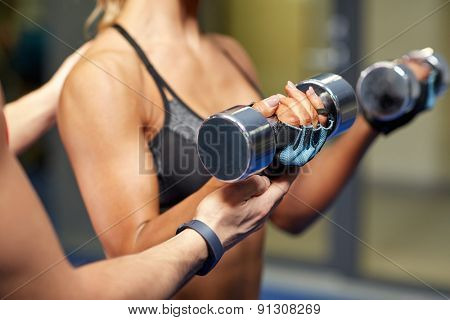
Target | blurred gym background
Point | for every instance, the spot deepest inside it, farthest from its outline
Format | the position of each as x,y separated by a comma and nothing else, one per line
390,235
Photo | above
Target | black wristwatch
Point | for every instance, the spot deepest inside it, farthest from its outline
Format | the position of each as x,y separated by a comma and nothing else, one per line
215,248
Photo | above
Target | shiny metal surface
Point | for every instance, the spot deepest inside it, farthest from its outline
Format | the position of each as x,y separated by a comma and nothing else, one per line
236,143
239,142
387,90
437,62
338,97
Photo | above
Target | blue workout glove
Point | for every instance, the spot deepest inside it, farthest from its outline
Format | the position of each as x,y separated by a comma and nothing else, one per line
426,101
306,145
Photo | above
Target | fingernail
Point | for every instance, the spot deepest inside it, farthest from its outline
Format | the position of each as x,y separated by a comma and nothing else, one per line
291,85
267,181
272,101
311,90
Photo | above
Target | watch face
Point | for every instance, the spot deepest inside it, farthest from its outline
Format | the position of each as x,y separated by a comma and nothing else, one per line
386,90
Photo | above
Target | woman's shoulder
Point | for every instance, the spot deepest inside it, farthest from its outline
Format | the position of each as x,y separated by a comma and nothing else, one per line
237,51
107,80
228,43
105,61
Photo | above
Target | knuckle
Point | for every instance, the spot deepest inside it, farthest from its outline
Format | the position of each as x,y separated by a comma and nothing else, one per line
295,121
307,119
258,106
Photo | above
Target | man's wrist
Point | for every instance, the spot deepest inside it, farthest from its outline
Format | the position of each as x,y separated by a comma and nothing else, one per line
197,244
50,94
214,244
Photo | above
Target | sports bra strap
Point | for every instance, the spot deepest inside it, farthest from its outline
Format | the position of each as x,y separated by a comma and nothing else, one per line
244,73
160,82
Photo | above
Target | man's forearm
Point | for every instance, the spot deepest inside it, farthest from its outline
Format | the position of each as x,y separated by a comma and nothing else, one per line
30,116
156,273
316,188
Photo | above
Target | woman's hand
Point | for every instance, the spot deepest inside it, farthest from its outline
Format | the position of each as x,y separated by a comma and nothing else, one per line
420,69
237,210
296,108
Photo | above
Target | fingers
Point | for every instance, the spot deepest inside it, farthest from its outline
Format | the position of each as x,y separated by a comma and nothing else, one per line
76,56
274,194
59,77
84,47
420,69
252,187
268,106
299,111
287,115
265,203
304,102
317,104
79,52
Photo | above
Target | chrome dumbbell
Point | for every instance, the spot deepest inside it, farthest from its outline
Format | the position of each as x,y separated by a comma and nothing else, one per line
389,90
239,142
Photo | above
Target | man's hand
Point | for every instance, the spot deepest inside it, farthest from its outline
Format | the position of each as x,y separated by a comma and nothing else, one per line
32,115
237,210
55,84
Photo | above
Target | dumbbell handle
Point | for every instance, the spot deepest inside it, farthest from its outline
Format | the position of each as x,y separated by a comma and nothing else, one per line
259,138
390,92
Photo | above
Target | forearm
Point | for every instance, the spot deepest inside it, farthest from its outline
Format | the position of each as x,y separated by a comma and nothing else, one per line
30,116
156,273
316,189
163,227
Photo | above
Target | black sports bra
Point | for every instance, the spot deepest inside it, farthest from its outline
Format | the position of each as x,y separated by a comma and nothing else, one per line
180,172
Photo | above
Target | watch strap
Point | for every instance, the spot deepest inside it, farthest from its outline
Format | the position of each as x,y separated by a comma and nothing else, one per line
215,248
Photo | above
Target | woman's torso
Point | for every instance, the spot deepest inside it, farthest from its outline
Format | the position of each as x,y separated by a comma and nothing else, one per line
191,86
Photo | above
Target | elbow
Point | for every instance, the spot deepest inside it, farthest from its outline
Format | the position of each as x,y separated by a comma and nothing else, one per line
125,241
293,230
293,225
114,246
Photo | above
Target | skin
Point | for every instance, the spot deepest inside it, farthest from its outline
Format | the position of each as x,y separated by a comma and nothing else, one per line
38,269
105,126
32,115
309,197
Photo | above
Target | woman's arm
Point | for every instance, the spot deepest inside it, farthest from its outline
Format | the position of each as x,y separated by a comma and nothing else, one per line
32,264
233,212
104,124
312,193
328,172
